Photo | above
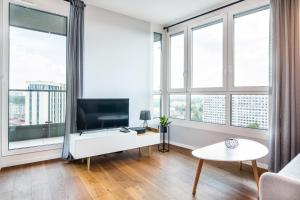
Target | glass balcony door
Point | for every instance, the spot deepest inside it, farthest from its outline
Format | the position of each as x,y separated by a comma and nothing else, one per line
37,78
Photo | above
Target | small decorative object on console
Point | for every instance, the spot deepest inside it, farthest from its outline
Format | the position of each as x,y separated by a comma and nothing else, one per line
145,115
231,143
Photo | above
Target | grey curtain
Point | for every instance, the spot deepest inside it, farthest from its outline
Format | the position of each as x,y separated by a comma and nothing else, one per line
285,137
74,69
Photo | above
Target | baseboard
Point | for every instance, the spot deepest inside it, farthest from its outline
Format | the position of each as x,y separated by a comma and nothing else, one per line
186,146
10,161
183,145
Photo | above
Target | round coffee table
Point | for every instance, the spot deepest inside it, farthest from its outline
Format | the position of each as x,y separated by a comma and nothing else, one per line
247,150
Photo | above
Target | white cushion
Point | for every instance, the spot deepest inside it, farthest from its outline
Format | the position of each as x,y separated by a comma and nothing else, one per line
292,169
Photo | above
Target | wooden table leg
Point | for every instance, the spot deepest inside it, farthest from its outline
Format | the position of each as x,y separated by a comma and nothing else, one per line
149,150
255,172
88,163
200,164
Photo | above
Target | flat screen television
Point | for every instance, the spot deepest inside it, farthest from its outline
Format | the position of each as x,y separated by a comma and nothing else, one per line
95,114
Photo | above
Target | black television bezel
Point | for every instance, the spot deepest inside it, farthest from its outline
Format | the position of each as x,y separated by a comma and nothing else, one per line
91,99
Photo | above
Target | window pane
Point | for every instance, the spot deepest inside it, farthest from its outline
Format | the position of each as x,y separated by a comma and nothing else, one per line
177,61
177,107
251,111
251,48
207,66
157,60
156,103
37,85
208,108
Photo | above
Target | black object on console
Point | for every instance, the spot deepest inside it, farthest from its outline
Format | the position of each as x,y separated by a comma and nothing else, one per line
139,130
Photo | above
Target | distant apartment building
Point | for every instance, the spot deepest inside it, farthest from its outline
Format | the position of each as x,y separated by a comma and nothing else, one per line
214,109
45,103
17,107
250,111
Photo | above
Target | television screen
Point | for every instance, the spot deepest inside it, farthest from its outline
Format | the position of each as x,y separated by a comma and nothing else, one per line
93,114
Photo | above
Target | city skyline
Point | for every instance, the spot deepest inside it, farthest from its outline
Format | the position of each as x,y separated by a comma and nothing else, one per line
247,111
42,102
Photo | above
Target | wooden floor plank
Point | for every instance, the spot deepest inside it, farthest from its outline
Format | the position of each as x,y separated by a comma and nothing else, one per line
129,175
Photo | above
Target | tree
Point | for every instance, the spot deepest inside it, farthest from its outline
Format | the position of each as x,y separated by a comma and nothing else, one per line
253,125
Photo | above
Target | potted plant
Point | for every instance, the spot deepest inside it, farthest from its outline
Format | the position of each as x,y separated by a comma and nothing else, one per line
164,123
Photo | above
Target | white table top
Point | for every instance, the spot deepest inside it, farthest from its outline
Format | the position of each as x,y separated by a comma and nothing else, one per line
246,151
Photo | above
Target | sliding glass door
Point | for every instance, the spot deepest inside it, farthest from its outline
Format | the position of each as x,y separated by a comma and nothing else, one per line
37,77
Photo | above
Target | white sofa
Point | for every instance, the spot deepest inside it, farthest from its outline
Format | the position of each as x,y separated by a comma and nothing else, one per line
284,185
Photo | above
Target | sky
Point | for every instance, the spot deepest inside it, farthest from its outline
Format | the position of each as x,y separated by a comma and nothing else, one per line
250,58
39,56
36,56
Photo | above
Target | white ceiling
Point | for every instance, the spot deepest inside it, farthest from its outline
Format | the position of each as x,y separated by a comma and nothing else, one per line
162,12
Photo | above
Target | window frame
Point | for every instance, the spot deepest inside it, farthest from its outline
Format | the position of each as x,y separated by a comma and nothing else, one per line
231,14
185,70
248,93
44,7
198,24
160,91
160,105
227,90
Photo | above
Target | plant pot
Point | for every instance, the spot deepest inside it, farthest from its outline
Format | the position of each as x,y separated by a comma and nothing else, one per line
164,138
163,129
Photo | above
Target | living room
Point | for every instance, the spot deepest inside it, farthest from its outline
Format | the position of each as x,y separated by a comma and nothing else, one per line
139,99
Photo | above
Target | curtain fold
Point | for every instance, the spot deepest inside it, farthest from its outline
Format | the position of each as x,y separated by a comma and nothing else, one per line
285,66
74,69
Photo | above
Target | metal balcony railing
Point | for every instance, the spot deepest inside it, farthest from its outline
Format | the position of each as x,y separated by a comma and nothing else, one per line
36,114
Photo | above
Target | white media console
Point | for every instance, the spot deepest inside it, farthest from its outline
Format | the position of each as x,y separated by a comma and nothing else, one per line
97,143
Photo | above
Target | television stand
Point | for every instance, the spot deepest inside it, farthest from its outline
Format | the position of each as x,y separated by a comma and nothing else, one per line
109,141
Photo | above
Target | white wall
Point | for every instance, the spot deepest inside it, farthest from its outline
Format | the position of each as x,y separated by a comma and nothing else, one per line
117,59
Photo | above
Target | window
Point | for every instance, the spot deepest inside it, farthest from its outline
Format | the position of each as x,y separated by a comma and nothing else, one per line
156,102
157,60
251,48
207,58
228,69
37,77
177,61
250,111
208,108
177,107
157,49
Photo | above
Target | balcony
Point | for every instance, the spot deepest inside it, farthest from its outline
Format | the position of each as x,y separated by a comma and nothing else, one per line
36,117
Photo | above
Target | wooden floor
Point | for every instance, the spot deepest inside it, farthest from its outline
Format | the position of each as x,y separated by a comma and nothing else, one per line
128,175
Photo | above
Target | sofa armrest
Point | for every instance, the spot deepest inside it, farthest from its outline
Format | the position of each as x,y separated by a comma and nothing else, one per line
277,187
